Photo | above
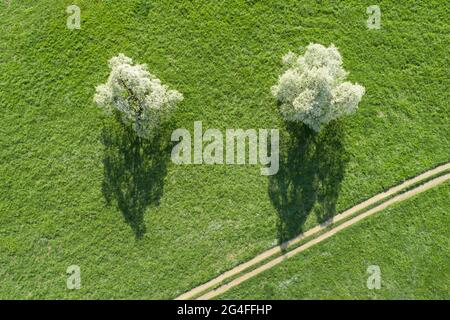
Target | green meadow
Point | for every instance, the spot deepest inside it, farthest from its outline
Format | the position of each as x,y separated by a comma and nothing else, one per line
74,190
408,243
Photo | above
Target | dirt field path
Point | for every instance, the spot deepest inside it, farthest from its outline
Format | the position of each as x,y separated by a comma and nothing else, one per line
279,249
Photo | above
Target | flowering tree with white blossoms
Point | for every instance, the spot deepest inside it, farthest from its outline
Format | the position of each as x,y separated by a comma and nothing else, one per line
136,95
313,89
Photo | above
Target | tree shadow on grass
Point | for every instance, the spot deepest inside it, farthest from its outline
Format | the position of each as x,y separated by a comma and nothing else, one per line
311,171
134,171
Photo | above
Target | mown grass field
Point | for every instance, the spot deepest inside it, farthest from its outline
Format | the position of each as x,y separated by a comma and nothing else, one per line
72,192
409,243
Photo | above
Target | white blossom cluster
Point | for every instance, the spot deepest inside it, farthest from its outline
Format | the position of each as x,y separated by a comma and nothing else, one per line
137,95
313,89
